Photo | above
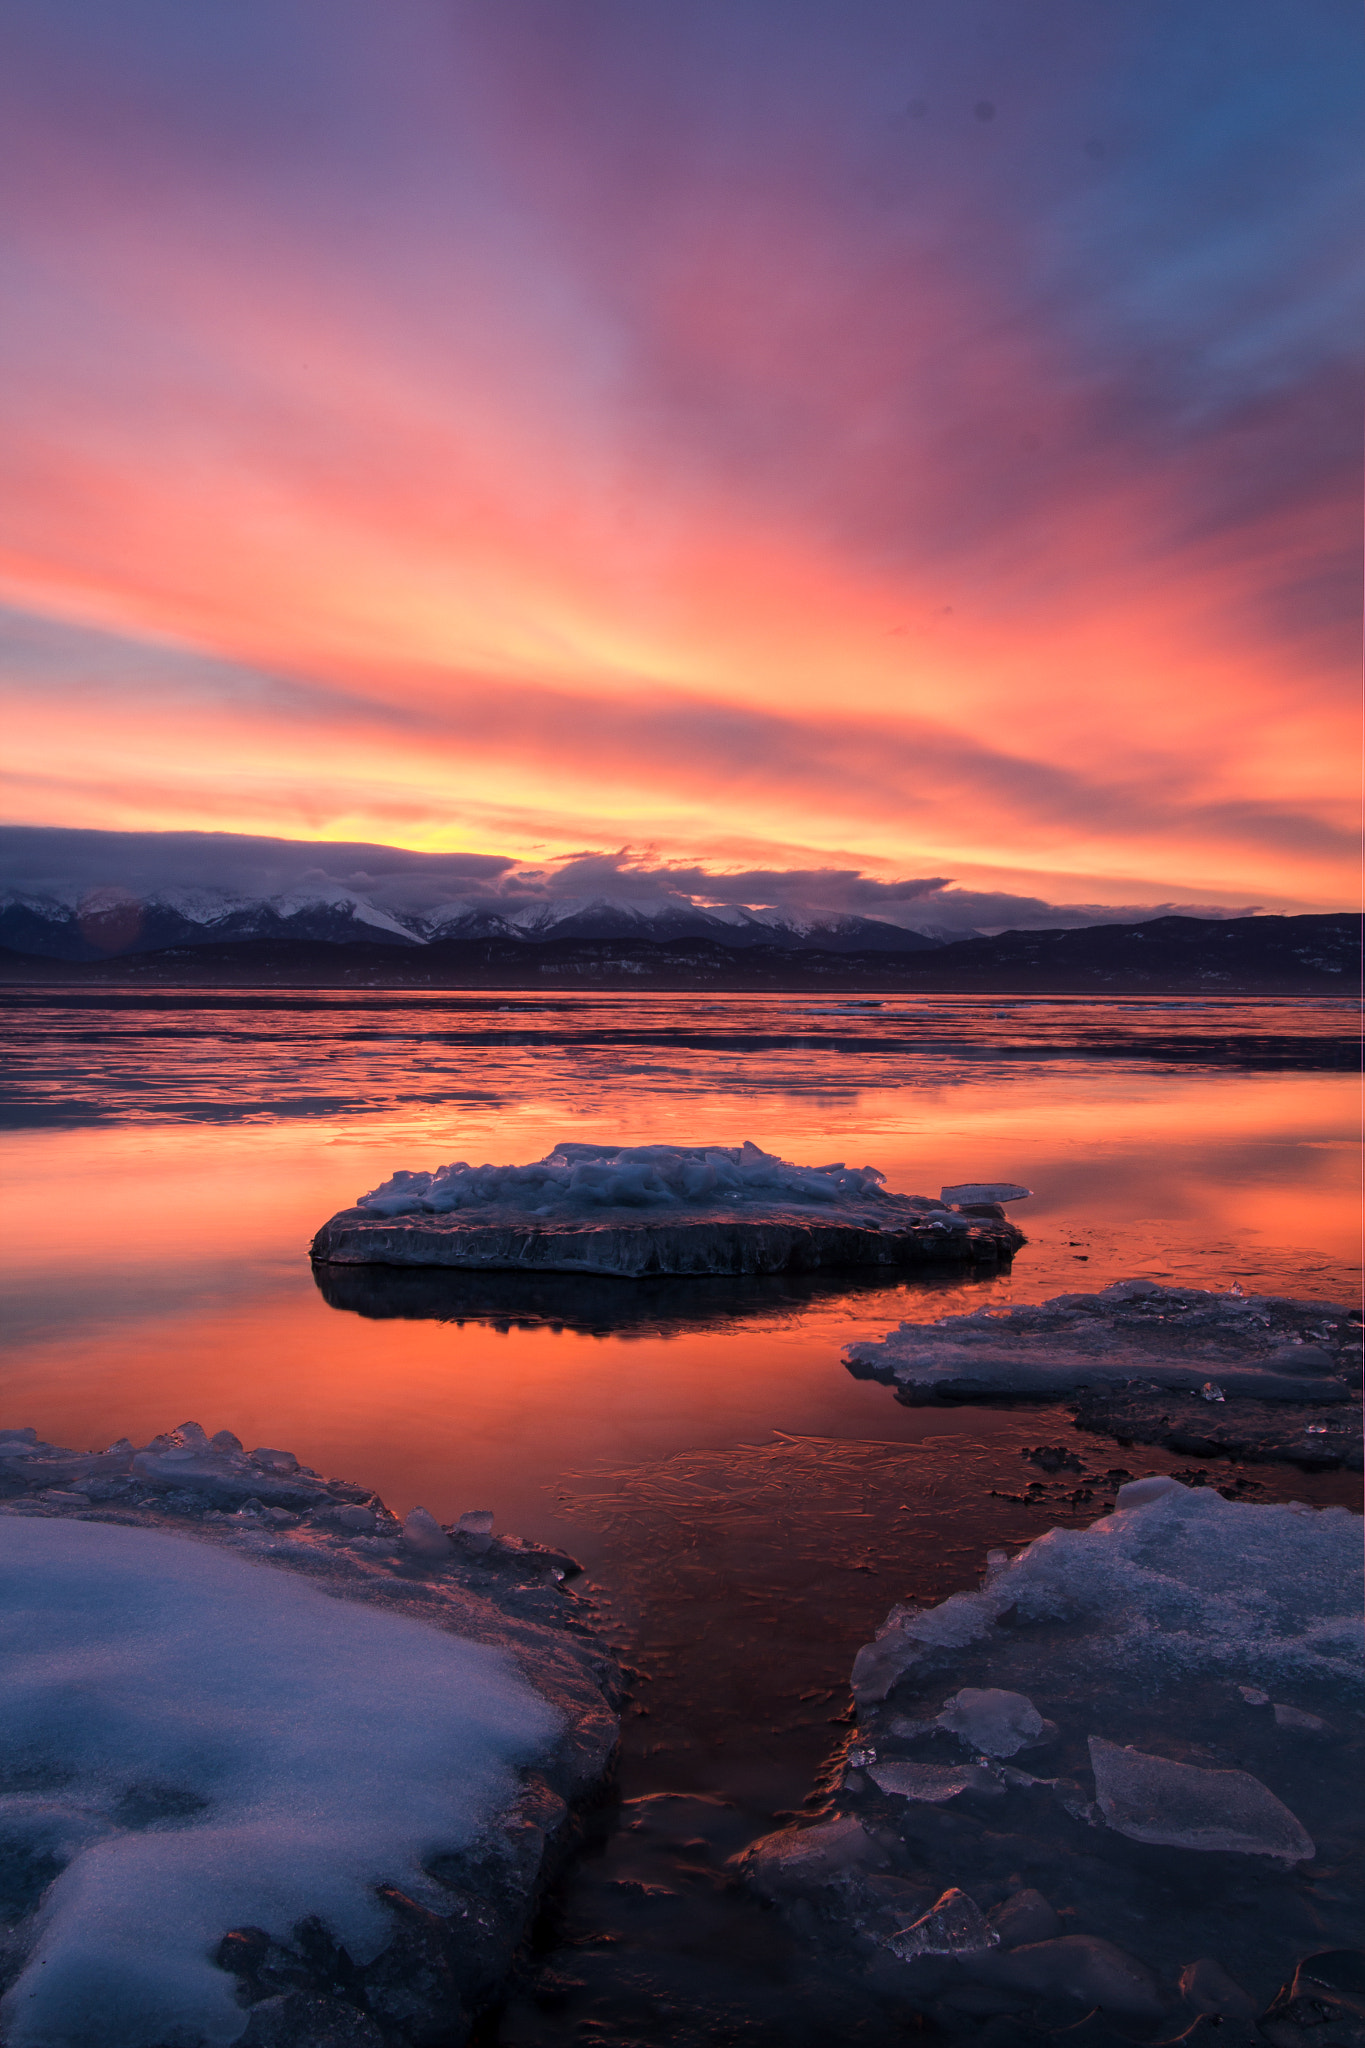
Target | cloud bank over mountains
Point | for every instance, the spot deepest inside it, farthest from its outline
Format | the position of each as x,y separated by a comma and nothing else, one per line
119,891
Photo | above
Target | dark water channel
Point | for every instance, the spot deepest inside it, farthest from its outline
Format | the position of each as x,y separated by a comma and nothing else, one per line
745,1510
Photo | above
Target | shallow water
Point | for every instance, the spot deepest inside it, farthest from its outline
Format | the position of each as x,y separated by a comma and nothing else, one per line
747,1511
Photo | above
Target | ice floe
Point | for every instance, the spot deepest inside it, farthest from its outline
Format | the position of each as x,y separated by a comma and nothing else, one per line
658,1209
1263,1361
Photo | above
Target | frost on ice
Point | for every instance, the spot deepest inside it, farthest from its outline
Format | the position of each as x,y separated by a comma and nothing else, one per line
199,1744
578,1180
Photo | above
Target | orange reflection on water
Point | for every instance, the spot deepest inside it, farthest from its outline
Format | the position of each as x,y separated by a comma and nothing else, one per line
159,1271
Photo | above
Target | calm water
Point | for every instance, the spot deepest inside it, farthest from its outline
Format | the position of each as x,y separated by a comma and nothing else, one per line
747,1511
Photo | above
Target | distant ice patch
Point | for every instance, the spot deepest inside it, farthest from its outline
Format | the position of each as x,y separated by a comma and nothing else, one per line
575,1180
207,1744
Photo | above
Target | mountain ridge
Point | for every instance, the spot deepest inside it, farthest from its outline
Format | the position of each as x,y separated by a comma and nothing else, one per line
111,923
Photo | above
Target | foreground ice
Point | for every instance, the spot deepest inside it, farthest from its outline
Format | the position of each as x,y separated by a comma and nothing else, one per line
1239,1367
306,1750
647,1209
262,1741
1108,1779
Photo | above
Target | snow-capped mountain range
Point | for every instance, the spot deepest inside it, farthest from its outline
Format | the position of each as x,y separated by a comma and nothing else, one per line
106,922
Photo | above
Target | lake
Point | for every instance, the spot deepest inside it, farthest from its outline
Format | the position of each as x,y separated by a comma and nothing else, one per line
745,1510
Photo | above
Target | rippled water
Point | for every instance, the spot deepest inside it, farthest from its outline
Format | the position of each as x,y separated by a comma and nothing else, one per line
747,1511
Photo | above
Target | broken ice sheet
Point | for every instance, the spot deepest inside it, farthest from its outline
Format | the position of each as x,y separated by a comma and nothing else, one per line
932,1784
1000,1723
954,1925
1151,1799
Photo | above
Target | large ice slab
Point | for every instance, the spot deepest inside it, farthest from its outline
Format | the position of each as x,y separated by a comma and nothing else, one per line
656,1209
228,1721
1127,1351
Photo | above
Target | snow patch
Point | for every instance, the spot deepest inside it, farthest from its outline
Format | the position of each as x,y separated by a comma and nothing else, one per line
299,1749
577,1180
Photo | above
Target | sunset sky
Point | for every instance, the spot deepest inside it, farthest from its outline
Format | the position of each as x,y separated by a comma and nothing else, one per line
911,438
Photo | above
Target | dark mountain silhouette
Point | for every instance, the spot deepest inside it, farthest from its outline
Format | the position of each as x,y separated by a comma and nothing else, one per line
1314,955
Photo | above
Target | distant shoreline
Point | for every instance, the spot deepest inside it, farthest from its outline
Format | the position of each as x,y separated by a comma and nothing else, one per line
1169,956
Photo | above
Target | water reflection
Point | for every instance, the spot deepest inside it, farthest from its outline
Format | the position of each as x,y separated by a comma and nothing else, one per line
242,1056
603,1305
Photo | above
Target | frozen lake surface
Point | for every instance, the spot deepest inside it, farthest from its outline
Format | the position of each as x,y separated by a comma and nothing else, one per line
747,1511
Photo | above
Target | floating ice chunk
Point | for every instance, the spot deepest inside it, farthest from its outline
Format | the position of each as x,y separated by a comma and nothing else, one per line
986,1191
475,1528
956,1621
931,1784
878,1665
400,1195
1139,1493
1150,1799
1134,1334
353,1516
274,1461
424,1536
997,1722
329,1747
1295,1717
953,1926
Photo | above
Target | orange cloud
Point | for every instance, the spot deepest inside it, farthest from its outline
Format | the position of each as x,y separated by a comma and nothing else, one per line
461,493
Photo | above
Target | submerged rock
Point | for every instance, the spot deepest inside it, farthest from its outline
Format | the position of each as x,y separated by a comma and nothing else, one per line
1248,1375
639,1211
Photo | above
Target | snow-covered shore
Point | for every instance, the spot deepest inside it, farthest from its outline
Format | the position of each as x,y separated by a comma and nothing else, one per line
281,1770
648,1209
1125,1775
